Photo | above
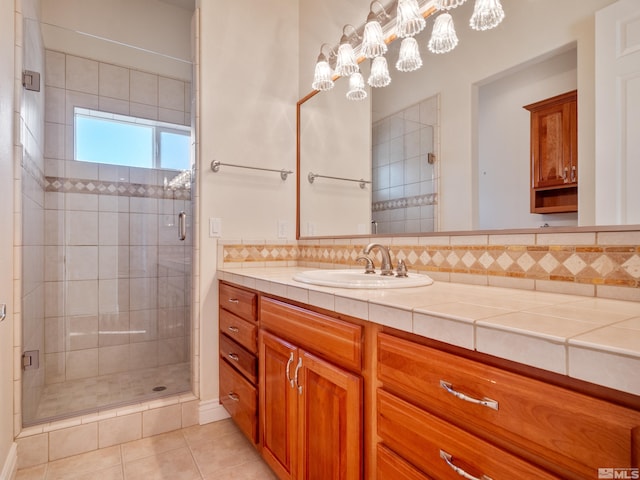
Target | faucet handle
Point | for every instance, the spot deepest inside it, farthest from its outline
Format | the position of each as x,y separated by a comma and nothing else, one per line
369,268
401,269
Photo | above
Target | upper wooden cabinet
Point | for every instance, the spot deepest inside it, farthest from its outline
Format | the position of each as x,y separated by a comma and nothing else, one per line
554,154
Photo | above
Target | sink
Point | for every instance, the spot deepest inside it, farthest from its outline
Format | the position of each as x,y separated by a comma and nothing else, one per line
358,279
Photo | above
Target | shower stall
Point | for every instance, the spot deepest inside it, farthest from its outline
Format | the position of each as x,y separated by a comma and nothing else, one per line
106,235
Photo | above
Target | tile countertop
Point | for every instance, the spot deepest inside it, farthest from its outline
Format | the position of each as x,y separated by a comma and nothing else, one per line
592,339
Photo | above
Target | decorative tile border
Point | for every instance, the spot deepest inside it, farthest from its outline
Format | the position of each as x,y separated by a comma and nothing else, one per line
613,265
98,187
406,202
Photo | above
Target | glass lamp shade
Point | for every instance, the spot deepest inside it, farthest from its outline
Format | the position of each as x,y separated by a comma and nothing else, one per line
443,38
373,40
356,87
486,14
379,73
323,76
448,4
409,58
346,64
409,21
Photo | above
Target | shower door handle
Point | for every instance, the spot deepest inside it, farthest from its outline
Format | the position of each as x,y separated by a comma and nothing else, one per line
182,226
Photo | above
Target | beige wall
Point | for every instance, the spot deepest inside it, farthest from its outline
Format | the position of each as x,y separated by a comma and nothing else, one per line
248,96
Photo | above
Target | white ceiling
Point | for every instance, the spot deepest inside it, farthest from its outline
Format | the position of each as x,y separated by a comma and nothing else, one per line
186,4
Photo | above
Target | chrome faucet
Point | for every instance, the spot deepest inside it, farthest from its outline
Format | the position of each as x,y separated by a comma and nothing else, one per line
385,268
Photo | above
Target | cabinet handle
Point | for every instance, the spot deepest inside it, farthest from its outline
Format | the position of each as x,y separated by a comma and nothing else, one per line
487,402
234,357
573,173
234,329
565,173
449,459
288,370
233,300
296,375
234,396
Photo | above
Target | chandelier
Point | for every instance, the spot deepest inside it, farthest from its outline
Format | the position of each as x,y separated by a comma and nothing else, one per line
407,19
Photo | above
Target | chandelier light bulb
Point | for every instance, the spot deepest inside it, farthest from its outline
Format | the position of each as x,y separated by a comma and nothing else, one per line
409,58
487,14
356,87
448,4
443,38
379,76
373,40
323,77
409,21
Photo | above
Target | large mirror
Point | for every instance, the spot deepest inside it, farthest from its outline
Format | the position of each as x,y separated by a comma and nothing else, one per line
473,172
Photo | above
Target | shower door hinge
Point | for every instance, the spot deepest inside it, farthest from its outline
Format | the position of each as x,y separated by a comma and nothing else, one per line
31,360
31,80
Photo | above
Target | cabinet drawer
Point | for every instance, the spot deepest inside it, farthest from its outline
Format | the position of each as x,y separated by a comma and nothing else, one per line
390,466
241,302
243,332
424,440
336,340
239,398
239,358
571,430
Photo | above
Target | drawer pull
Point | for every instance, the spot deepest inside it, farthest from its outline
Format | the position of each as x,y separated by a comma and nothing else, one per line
234,357
449,459
233,329
289,369
234,396
487,402
233,300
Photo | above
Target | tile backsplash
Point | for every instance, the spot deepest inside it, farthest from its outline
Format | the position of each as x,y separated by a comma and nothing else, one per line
590,263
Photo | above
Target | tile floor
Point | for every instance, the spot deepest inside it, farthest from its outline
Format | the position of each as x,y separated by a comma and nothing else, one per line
202,452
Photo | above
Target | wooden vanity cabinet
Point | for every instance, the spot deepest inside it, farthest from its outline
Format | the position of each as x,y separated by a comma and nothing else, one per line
238,328
554,154
432,400
310,394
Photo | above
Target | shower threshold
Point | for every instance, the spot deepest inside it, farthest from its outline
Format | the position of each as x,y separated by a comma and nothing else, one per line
89,395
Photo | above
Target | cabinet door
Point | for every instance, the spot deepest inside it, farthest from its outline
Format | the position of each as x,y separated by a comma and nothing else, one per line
554,141
330,416
278,404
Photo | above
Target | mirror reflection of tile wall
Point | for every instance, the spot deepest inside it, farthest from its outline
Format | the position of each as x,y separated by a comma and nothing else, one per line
405,184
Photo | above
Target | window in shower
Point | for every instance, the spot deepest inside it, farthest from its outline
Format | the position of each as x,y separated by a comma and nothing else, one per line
114,139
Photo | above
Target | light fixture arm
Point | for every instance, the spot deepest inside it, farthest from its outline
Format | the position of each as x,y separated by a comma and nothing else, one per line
376,16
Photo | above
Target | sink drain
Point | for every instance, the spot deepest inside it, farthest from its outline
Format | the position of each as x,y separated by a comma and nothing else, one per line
159,388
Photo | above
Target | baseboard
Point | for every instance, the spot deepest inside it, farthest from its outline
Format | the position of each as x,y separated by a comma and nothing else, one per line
211,411
10,464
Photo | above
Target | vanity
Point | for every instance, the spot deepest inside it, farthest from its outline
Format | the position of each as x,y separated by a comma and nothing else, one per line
421,382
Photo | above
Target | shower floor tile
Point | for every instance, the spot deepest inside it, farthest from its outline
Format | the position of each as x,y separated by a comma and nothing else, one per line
108,391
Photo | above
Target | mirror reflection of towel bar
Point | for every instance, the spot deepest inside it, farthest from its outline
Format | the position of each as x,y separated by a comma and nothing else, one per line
312,176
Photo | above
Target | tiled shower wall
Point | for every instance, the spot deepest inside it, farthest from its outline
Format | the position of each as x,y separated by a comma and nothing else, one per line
117,297
405,183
